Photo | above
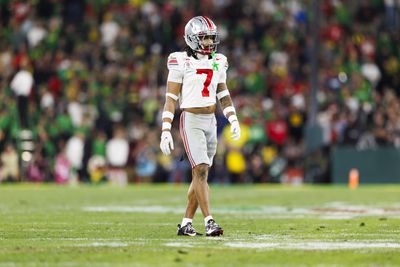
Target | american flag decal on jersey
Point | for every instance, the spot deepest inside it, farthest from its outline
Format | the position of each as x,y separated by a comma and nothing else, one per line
172,61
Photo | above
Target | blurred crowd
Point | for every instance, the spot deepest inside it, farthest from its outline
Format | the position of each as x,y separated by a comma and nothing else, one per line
87,78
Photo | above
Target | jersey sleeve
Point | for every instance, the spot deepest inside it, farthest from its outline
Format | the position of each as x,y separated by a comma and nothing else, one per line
224,67
175,67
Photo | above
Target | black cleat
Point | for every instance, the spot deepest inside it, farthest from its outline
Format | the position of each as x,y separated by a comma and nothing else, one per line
213,229
188,229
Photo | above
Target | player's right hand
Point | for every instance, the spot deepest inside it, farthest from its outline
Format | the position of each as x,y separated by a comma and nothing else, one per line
235,130
167,143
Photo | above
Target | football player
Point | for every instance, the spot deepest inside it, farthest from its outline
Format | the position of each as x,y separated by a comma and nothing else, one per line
196,78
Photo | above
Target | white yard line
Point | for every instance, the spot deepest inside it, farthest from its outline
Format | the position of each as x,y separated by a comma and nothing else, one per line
109,244
103,244
330,211
313,245
307,245
135,209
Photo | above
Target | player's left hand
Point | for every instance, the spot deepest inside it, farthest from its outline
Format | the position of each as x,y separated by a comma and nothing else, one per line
235,130
167,143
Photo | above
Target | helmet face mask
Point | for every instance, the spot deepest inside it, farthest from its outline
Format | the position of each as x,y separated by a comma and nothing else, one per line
208,43
201,35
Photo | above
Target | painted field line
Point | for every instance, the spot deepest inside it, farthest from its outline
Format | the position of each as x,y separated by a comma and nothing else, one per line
103,244
308,245
330,211
313,245
108,244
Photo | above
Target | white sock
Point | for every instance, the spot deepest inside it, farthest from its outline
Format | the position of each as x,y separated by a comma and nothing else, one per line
206,219
186,221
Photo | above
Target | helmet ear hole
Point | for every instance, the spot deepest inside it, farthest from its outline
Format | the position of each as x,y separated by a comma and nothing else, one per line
192,41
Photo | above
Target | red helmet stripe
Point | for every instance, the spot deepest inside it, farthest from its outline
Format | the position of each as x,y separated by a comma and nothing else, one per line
208,22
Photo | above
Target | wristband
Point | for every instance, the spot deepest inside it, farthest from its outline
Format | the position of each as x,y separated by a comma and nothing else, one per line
232,118
222,94
166,126
228,109
168,115
174,97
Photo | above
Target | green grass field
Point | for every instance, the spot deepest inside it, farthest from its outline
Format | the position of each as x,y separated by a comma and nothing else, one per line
48,225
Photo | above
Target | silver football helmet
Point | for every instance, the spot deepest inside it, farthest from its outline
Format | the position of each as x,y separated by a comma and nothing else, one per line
198,29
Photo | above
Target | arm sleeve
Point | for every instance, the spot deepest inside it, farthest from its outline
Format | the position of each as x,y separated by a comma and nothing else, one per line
175,76
222,76
175,68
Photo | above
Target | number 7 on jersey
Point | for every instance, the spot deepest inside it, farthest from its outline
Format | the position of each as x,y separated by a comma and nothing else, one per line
205,92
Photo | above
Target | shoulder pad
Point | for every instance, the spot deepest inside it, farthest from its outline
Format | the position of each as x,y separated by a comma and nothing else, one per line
222,60
175,61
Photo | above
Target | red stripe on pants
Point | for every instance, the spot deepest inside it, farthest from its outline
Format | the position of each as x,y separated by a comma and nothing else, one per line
185,143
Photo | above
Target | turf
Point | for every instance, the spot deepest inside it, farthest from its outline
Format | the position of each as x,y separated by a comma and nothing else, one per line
48,225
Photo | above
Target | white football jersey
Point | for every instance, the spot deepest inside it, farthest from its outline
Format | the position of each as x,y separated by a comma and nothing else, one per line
199,78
